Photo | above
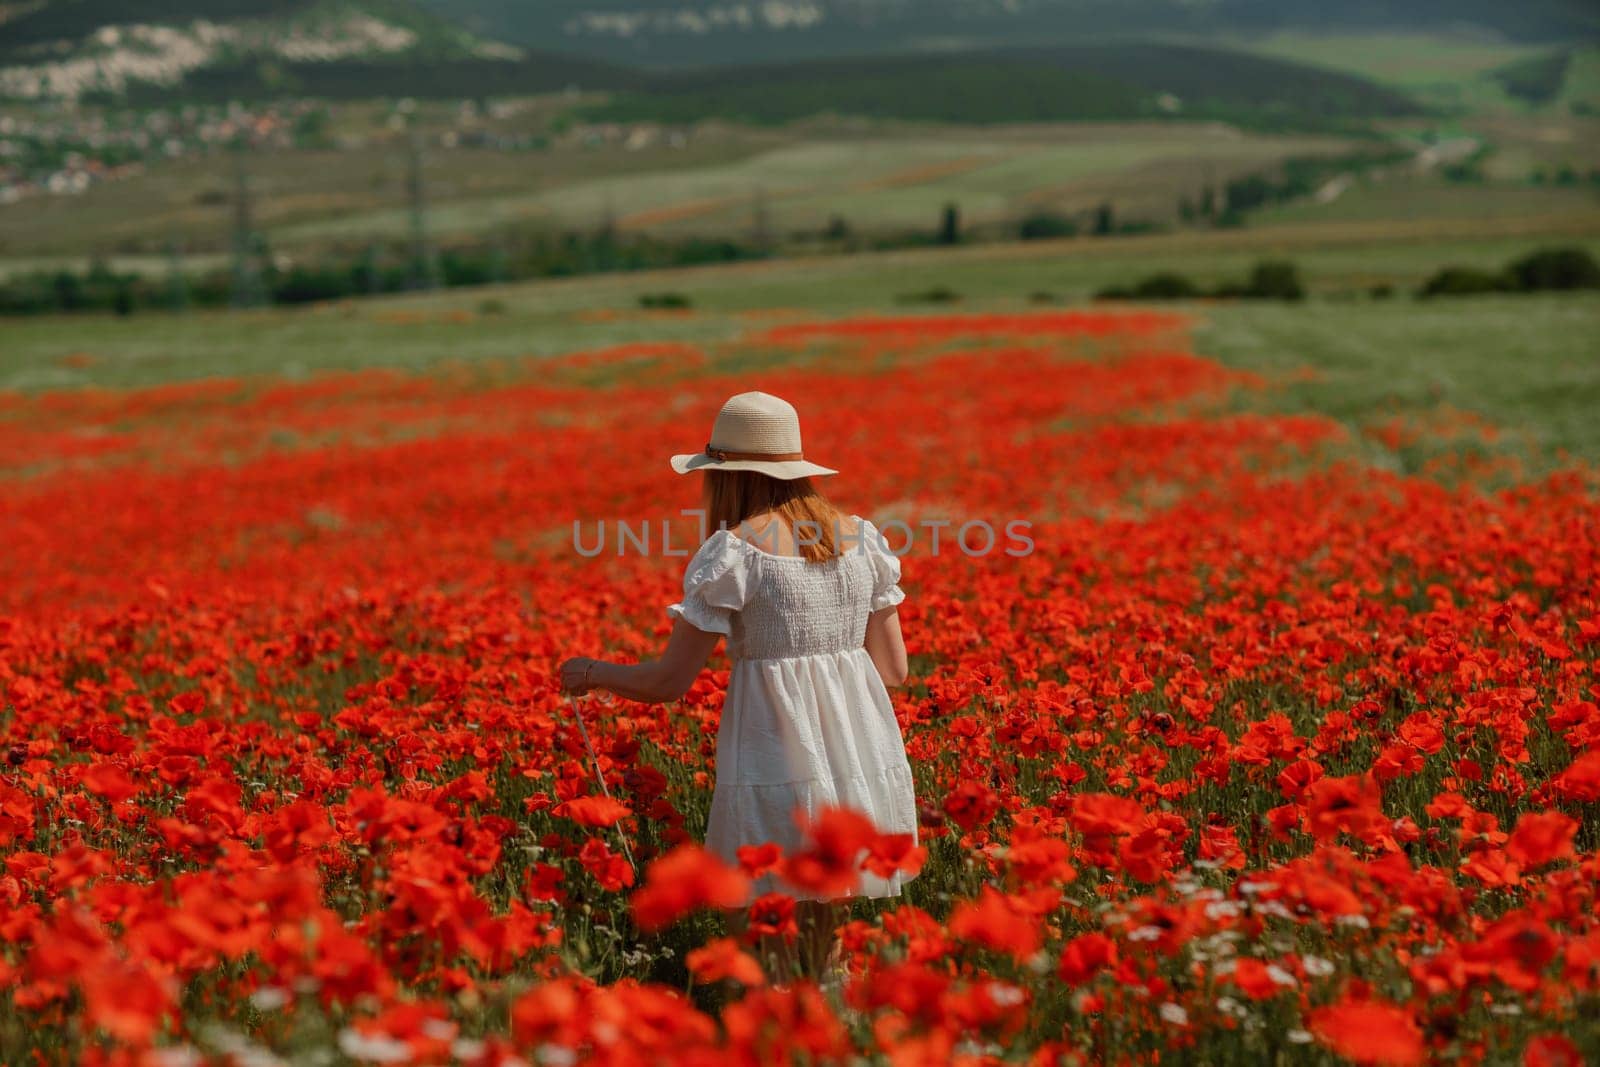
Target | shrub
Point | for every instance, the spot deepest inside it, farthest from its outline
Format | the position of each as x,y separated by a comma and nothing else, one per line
1556,268
305,285
1044,225
665,301
1465,281
939,294
1275,280
1166,285
1270,280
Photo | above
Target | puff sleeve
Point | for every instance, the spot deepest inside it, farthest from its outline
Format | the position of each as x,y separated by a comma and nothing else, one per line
715,585
886,591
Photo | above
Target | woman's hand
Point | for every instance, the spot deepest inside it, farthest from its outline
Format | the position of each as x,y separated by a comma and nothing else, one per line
575,675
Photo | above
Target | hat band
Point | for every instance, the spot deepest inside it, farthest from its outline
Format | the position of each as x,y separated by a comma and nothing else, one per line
771,457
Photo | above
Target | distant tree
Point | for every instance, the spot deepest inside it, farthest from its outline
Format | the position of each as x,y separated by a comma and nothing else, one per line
1105,220
1556,268
68,291
1043,225
950,225
1247,194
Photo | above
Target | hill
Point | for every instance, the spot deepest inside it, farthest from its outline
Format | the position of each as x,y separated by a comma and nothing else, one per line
76,48
719,32
161,51
1088,81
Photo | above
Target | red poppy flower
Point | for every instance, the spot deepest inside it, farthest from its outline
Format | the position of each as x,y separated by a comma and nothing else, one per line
110,782
1351,804
995,921
771,915
1581,781
1552,1050
1254,978
1369,1032
830,862
684,880
1541,838
613,872
891,853
131,1003
1098,815
971,804
594,811
757,860
722,960
1086,956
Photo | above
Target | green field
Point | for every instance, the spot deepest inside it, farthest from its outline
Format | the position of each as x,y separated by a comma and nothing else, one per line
1400,201
876,176
1582,86
1529,363
1441,71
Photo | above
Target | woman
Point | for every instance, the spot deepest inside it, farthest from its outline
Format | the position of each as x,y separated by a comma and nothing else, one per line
807,600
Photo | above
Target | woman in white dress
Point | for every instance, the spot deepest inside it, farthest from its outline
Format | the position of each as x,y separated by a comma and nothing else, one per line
806,598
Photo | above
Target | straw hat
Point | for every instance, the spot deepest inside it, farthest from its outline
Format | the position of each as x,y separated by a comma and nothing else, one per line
754,432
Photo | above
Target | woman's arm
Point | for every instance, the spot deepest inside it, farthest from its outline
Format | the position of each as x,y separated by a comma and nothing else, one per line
887,647
655,681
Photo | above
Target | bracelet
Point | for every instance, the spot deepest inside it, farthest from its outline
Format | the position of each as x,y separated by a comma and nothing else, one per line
587,667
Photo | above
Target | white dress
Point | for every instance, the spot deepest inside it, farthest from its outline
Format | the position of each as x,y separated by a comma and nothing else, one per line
807,723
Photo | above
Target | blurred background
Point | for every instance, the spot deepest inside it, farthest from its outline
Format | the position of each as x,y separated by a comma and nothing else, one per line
162,161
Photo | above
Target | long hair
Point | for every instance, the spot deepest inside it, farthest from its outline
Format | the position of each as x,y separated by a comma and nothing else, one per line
731,497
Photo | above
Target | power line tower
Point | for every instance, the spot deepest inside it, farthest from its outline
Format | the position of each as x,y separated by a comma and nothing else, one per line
424,259
248,289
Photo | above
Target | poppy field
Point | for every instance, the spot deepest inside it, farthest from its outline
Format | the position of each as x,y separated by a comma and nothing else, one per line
1281,745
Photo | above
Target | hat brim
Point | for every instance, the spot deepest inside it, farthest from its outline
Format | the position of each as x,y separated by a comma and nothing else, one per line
784,471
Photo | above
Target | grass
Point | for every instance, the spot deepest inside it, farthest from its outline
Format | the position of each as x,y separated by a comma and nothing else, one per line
1529,363
1400,199
1583,79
